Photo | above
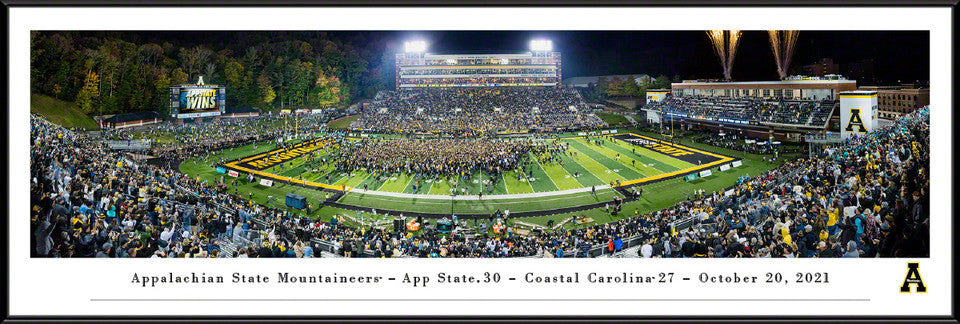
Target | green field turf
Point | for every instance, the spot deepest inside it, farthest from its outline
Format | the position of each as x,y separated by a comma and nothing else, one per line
585,164
586,158
397,183
541,181
560,176
595,163
610,160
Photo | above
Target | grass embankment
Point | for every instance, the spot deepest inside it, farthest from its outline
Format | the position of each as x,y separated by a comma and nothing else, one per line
613,119
342,123
63,113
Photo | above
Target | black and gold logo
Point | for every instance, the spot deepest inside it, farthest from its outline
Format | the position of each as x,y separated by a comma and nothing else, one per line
913,278
855,120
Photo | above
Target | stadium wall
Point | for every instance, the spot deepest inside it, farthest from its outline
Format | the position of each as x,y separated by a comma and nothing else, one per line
784,134
134,123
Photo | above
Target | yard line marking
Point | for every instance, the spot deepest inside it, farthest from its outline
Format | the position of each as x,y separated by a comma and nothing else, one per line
408,183
585,168
642,175
545,172
570,176
427,189
505,187
598,162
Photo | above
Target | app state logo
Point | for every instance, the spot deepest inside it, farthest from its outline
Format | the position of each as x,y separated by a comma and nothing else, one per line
913,278
855,120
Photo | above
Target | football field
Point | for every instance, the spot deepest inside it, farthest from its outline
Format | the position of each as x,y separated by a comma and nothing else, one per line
627,159
643,162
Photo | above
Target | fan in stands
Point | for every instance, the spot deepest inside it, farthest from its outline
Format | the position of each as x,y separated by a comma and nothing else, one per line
867,198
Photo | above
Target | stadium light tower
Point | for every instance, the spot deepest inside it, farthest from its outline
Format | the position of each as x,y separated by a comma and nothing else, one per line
541,50
415,46
541,45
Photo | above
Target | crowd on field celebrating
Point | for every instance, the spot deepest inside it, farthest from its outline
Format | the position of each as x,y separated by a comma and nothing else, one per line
782,111
866,197
476,110
453,159
433,157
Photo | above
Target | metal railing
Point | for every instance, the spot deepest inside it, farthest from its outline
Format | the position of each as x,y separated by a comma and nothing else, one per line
129,145
823,138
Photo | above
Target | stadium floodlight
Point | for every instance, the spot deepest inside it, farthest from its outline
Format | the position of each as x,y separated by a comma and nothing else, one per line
541,45
415,46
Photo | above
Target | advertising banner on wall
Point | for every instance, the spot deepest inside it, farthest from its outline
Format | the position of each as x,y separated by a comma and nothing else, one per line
265,182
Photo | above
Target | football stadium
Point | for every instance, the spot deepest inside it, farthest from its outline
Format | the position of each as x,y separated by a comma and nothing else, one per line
297,149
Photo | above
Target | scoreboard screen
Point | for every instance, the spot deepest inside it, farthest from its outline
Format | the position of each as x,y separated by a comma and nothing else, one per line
193,101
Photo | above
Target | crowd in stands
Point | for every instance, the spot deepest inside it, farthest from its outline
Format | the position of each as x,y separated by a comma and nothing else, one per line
479,81
191,140
865,198
513,61
476,110
782,111
478,70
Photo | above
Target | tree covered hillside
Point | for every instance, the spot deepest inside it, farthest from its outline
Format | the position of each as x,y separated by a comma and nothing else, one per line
115,72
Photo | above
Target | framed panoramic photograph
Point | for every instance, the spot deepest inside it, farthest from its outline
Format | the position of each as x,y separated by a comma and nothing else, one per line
480,163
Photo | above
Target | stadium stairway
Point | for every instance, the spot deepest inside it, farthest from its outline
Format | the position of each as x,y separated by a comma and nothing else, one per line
227,248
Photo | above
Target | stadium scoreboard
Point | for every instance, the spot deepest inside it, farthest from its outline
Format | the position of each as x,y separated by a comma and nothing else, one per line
199,100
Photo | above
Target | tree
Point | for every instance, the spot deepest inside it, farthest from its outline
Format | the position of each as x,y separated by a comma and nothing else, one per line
193,59
258,68
615,88
327,89
178,77
630,87
662,82
35,54
89,93
210,71
233,72
266,90
602,85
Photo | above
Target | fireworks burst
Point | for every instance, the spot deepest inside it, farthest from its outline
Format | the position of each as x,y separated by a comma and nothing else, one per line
725,43
782,42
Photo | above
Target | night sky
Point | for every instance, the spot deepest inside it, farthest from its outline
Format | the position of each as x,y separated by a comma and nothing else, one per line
897,55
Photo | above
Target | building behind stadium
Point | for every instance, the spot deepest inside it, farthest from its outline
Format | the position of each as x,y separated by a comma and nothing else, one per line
896,101
825,90
797,87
